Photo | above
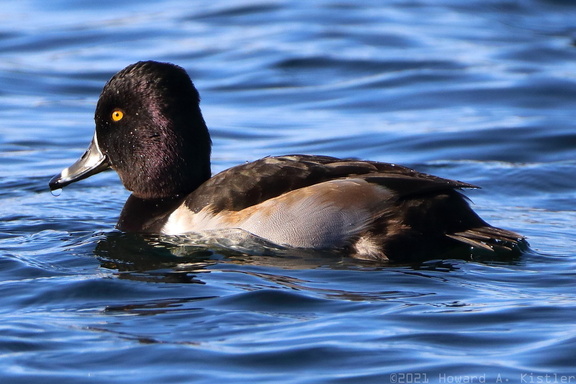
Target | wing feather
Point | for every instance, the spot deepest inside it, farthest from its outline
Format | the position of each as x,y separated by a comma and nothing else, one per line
249,184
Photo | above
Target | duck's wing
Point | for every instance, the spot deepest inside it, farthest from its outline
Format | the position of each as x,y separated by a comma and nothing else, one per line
253,183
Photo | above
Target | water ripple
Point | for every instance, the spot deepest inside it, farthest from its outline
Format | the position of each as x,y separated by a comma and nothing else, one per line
477,91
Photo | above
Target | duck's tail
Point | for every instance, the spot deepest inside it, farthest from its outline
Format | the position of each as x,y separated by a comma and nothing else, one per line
490,238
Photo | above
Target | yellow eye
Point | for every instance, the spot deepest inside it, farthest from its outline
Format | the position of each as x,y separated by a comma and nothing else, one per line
117,115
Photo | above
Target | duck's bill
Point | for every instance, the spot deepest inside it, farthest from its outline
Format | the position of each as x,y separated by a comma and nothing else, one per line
91,163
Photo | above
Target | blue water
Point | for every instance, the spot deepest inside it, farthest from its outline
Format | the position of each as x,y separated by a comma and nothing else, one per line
481,91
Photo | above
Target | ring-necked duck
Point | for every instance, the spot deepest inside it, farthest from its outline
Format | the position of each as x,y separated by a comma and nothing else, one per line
150,130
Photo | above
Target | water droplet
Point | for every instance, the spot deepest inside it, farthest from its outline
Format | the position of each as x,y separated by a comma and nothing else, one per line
56,192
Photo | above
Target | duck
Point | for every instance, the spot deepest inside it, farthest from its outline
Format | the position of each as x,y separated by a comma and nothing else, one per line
150,130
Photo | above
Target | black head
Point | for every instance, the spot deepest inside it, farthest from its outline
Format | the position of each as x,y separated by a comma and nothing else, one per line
150,130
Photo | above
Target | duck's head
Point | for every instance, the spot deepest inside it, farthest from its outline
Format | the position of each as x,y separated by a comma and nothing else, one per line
150,130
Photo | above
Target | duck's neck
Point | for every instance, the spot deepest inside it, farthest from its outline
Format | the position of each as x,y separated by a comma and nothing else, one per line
146,215
196,158
177,164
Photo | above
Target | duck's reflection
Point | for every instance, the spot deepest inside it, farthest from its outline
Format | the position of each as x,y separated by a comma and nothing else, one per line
181,259
252,274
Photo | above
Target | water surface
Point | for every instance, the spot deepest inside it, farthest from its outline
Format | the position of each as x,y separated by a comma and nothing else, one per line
480,91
